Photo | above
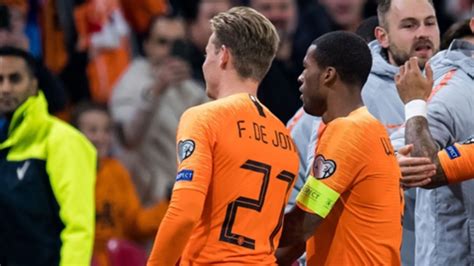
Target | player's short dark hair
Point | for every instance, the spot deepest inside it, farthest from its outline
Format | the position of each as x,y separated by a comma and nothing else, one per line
347,53
84,107
383,6
30,61
458,30
366,29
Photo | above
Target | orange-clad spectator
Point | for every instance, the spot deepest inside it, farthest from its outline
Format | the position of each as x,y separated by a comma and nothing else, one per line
104,33
22,5
18,10
53,36
118,211
140,12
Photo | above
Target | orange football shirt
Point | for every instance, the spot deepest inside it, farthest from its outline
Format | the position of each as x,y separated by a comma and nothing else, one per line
457,161
236,152
355,159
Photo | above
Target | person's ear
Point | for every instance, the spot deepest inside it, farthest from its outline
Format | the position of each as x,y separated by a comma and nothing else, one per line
382,36
224,57
329,76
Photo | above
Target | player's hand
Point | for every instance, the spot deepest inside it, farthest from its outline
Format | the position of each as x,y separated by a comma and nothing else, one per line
416,171
172,72
411,84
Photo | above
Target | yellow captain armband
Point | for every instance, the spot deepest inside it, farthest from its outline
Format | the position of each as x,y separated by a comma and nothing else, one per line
317,197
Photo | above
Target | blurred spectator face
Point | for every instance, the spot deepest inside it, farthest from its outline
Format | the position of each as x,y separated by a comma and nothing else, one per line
410,29
17,20
16,83
14,36
282,13
458,9
200,28
15,39
97,127
345,13
165,31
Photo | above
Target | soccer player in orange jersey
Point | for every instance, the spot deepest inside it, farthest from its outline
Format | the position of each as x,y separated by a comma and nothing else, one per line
237,162
349,211
451,165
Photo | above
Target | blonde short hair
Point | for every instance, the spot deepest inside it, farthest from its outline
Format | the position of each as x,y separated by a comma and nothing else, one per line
251,38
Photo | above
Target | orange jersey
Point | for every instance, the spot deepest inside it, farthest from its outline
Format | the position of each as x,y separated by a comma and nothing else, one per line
355,164
118,210
237,153
457,161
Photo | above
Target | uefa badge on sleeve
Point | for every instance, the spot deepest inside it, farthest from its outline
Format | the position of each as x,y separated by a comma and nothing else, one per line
185,149
323,168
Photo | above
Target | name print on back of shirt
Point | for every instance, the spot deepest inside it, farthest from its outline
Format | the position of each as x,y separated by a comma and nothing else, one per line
259,133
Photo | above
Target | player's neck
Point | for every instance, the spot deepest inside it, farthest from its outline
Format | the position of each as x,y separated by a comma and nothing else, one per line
341,104
233,85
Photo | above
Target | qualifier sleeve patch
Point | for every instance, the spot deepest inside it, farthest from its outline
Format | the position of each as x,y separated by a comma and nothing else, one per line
317,197
185,175
453,152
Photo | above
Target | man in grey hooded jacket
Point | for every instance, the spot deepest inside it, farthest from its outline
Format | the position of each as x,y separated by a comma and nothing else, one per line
407,28
445,215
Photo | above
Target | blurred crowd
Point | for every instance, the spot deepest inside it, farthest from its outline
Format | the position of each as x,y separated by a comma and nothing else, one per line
123,71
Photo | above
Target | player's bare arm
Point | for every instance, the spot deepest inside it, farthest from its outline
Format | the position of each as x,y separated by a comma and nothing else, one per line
416,171
412,86
417,132
299,227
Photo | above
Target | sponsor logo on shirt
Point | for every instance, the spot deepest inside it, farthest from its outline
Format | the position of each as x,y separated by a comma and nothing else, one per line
323,168
21,171
185,149
453,152
185,175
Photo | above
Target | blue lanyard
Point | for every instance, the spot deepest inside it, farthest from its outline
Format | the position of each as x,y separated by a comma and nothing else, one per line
3,122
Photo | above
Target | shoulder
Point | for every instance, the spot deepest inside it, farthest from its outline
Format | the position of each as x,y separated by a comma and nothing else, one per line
301,123
63,135
378,83
452,88
189,93
113,163
115,167
358,124
137,66
135,74
216,110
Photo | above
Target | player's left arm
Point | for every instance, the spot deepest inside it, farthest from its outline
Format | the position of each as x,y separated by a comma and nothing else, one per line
173,234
